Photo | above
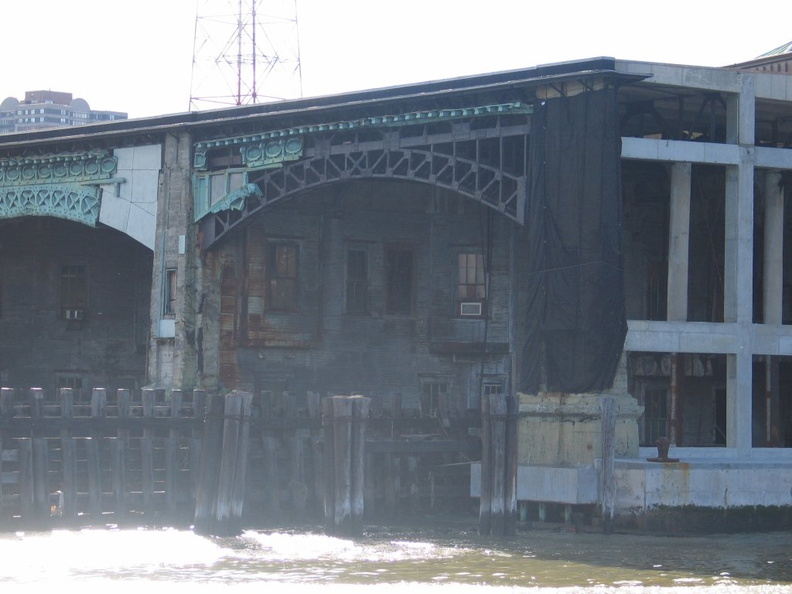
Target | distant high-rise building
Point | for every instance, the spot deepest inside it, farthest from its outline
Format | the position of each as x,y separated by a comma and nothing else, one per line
49,109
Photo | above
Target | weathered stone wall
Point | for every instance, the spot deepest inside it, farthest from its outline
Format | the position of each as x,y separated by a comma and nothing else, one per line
173,362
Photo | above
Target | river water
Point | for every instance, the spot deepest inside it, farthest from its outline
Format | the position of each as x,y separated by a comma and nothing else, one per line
153,561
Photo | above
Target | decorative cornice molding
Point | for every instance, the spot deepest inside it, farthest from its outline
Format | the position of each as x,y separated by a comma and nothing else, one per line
280,142
75,203
91,166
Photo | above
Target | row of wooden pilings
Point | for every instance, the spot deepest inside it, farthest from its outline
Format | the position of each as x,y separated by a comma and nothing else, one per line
204,457
221,485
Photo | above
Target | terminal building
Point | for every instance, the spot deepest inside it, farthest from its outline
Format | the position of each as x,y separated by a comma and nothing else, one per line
602,228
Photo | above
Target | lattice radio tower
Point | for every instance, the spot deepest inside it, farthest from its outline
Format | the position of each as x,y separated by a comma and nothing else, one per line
245,51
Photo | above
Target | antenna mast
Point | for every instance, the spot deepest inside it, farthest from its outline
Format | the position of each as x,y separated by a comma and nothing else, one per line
245,51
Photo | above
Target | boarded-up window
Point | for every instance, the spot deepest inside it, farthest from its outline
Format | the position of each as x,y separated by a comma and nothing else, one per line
357,282
282,277
399,281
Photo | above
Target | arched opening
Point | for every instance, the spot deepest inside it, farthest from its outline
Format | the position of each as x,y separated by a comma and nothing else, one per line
74,306
399,290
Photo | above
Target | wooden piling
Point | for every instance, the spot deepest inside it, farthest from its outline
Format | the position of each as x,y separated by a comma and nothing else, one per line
342,464
93,454
199,414
497,410
297,482
211,449
498,497
360,412
41,491
26,484
485,494
328,464
346,447
608,467
220,501
147,396
512,463
68,456
271,476
120,455
172,454
241,448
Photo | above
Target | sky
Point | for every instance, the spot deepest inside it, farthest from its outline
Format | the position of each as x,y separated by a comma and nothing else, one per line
136,56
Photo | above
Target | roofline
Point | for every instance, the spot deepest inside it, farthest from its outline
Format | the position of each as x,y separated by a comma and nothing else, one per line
476,83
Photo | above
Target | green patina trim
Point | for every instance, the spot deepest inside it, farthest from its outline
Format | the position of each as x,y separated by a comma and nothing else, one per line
74,203
57,169
236,200
263,142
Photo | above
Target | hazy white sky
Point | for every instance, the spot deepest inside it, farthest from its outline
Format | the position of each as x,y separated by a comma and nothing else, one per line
136,55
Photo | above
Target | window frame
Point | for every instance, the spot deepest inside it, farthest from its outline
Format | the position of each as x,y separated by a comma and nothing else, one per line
437,390
357,301
169,293
478,286
395,300
71,307
284,303
209,183
649,424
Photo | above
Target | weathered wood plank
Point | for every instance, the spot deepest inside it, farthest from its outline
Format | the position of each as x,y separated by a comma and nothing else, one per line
608,466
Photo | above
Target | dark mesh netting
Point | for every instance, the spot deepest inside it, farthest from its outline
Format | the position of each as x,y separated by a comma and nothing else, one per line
575,320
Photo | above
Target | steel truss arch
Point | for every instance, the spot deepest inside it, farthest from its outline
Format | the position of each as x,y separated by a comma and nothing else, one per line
490,185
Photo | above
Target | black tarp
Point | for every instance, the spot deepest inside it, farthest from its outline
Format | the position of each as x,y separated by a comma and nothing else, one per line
575,320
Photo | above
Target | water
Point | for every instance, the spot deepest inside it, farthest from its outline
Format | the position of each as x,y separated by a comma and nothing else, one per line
150,561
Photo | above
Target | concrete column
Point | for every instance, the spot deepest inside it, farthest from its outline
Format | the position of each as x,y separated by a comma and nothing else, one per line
740,109
773,248
738,266
678,243
739,390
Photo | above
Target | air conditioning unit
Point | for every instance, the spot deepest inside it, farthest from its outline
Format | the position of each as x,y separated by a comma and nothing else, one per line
470,308
74,314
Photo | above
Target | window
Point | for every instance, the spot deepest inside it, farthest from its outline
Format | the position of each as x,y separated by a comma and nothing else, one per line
399,281
471,285
656,413
74,382
357,282
73,291
211,188
488,388
434,398
282,277
169,293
